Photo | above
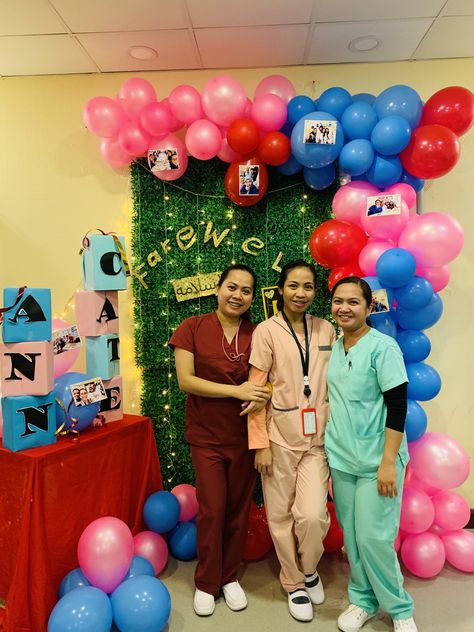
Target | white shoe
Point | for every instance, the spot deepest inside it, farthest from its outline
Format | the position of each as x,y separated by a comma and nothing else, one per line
404,625
204,603
234,596
300,606
314,587
352,619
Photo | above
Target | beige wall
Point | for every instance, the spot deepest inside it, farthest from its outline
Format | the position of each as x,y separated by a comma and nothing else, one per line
54,187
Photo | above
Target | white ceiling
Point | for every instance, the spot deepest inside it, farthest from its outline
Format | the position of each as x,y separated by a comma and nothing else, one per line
44,37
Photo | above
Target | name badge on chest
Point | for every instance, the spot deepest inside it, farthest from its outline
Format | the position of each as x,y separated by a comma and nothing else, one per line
308,419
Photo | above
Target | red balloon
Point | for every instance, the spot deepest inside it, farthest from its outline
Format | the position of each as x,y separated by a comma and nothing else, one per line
433,150
334,243
274,148
334,539
258,542
352,269
243,136
234,181
452,107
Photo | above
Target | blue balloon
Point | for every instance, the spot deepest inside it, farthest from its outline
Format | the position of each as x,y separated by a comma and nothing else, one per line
290,167
415,422
84,609
319,179
287,129
356,157
415,345
315,155
161,511
384,171
335,101
358,120
391,135
424,382
298,107
83,414
182,541
74,579
316,104
395,267
417,293
366,97
383,323
402,101
141,604
416,183
421,318
139,566
375,284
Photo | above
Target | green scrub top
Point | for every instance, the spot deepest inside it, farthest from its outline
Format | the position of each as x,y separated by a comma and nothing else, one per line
355,433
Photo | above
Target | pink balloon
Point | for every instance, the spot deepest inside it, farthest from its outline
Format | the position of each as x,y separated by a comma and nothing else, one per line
350,201
223,100
407,193
269,112
438,277
226,153
186,495
276,84
436,530
176,124
370,254
417,513
386,226
452,511
440,461
459,546
105,551
62,362
434,239
103,116
152,546
170,141
185,103
132,139
398,542
203,139
155,118
431,490
423,554
248,109
134,94
113,154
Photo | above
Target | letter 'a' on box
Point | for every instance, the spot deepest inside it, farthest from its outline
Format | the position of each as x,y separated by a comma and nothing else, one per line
28,421
26,368
97,313
102,264
29,317
103,356
112,407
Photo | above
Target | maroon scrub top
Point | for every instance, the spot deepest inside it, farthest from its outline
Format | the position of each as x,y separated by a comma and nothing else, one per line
215,421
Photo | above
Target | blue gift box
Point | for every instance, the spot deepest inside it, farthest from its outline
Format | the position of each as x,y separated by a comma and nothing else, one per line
29,318
29,421
103,356
102,264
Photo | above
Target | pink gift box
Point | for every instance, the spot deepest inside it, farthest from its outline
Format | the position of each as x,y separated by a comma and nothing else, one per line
112,407
97,313
27,368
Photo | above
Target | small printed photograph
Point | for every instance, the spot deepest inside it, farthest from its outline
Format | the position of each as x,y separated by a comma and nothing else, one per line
320,132
65,340
249,180
163,159
379,302
85,393
384,205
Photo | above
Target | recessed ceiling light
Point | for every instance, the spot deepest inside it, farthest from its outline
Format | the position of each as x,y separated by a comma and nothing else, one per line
364,44
142,52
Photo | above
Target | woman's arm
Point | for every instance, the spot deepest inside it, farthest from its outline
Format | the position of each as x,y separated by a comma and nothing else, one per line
257,429
396,402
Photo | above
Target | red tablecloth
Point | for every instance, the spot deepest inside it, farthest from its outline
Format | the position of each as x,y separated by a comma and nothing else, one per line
48,496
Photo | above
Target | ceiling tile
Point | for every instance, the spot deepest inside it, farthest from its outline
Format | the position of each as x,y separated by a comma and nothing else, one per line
352,11
110,51
43,55
37,17
448,37
208,13
458,7
264,46
95,16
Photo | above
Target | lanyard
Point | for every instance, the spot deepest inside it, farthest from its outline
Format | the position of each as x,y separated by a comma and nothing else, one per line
304,358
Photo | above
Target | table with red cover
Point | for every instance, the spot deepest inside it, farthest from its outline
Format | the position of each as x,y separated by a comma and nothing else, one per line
48,495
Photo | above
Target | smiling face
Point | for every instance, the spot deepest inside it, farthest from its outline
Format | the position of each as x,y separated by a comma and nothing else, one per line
235,295
298,291
349,307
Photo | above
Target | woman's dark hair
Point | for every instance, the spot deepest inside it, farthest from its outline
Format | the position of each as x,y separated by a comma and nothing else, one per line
364,288
298,263
243,268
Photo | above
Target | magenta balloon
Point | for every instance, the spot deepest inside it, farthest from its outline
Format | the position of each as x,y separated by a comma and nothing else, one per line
185,104
155,118
62,362
176,124
423,554
452,511
440,461
132,139
113,154
203,139
370,254
386,226
417,513
223,100
438,277
407,193
167,142
105,551
186,495
276,84
398,542
134,94
103,116
459,546
434,239
269,112
152,546
350,201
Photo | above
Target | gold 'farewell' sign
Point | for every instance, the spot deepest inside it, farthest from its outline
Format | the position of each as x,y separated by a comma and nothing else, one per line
195,286
270,299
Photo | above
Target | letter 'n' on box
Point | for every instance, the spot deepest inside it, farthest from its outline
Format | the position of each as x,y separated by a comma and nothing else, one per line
28,421
26,368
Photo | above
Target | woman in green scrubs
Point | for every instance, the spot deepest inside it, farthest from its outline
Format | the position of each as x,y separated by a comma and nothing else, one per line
367,451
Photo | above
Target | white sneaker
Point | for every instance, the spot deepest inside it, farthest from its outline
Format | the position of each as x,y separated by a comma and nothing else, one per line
300,606
404,625
314,587
204,603
234,596
352,619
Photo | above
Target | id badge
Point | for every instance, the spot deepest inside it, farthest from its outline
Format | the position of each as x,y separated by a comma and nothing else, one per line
308,418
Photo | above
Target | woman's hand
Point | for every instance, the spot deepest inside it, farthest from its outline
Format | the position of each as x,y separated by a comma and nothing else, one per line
252,407
249,392
387,479
264,461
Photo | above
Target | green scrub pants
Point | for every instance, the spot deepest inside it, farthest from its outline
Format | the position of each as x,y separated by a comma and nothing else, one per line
370,523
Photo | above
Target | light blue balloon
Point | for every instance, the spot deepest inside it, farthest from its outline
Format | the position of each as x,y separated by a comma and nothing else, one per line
83,414
402,101
74,579
141,604
383,323
335,101
182,541
384,171
358,120
417,293
315,155
366,97
139,566
416,183
320,179
290,167
414,344
161,511
84,609
395,268
424,382
298,107
391,135
421,318
356,157
415,422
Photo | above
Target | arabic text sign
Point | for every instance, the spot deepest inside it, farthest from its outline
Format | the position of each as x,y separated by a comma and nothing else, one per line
193,287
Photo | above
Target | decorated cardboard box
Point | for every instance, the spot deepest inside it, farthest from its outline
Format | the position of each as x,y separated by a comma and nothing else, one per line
97,313
112,407
26,368
103,263
28,421
102,356
29,315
